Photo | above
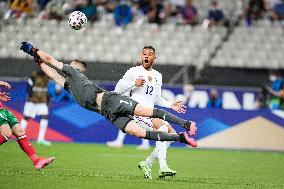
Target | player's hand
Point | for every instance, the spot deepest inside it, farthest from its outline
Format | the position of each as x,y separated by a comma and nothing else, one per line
28,48
4,97
179,107
3,83
140,82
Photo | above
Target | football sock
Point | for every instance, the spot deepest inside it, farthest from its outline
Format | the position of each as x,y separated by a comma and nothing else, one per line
42,129
162,153
24,124
152,157
27,147
161,136
167,116
3,139
162,148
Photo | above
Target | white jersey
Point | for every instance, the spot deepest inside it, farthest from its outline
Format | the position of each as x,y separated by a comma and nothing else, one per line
148,95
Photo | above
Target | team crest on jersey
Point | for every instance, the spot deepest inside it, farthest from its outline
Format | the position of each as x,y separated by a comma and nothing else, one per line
149,78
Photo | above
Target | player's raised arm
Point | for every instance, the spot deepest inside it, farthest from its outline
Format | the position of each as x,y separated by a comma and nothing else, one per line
53,74
38,54
50,60
160,101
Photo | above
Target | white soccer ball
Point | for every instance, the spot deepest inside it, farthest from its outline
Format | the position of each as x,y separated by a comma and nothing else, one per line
77,20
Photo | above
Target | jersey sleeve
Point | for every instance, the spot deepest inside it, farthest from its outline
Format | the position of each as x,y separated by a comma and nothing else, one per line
68,70
159,100
126,83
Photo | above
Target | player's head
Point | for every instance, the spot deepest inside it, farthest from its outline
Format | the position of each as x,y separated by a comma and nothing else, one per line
148,56
79,65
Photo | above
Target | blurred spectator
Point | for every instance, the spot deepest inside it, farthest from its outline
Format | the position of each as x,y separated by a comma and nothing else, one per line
122,13
89,9
254,10
277,94
216,15
109,6
276,84
42,3
277,13
53,10
177,4
138,16
170,13
79,3
189,13
271,3
155,12
214,101
144,6
20,9
3,7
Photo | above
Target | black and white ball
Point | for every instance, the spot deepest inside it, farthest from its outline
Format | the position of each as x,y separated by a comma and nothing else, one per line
77,20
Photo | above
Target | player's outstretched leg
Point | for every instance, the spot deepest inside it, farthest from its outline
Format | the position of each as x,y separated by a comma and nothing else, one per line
166,116
26,146
132,128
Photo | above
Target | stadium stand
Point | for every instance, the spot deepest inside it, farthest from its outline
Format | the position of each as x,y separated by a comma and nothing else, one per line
206,50
175,45
260,46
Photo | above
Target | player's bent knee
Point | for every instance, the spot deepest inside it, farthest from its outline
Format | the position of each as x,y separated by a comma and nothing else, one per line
18,131
5,130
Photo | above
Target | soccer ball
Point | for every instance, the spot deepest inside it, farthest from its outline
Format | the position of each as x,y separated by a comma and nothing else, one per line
77,20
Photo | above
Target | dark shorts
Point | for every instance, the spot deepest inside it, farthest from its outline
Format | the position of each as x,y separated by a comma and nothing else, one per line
118,109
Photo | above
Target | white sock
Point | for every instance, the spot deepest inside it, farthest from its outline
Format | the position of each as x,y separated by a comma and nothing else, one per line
152,157
42,129
162,149
120,137
24,124
162,153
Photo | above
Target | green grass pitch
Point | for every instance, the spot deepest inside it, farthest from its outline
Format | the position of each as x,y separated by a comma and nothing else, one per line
97,166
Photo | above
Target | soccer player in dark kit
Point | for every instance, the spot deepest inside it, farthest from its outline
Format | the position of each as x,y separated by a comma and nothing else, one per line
116,108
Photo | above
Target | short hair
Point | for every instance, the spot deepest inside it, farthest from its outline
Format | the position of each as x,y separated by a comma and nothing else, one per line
84,64
149,47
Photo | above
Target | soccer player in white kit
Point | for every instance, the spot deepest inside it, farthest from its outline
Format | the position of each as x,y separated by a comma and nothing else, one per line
143,84
37,104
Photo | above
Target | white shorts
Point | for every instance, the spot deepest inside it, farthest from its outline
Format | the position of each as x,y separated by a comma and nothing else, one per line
145,122
33,109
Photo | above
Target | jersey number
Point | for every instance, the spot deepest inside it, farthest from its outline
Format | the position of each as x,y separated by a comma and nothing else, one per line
149,90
